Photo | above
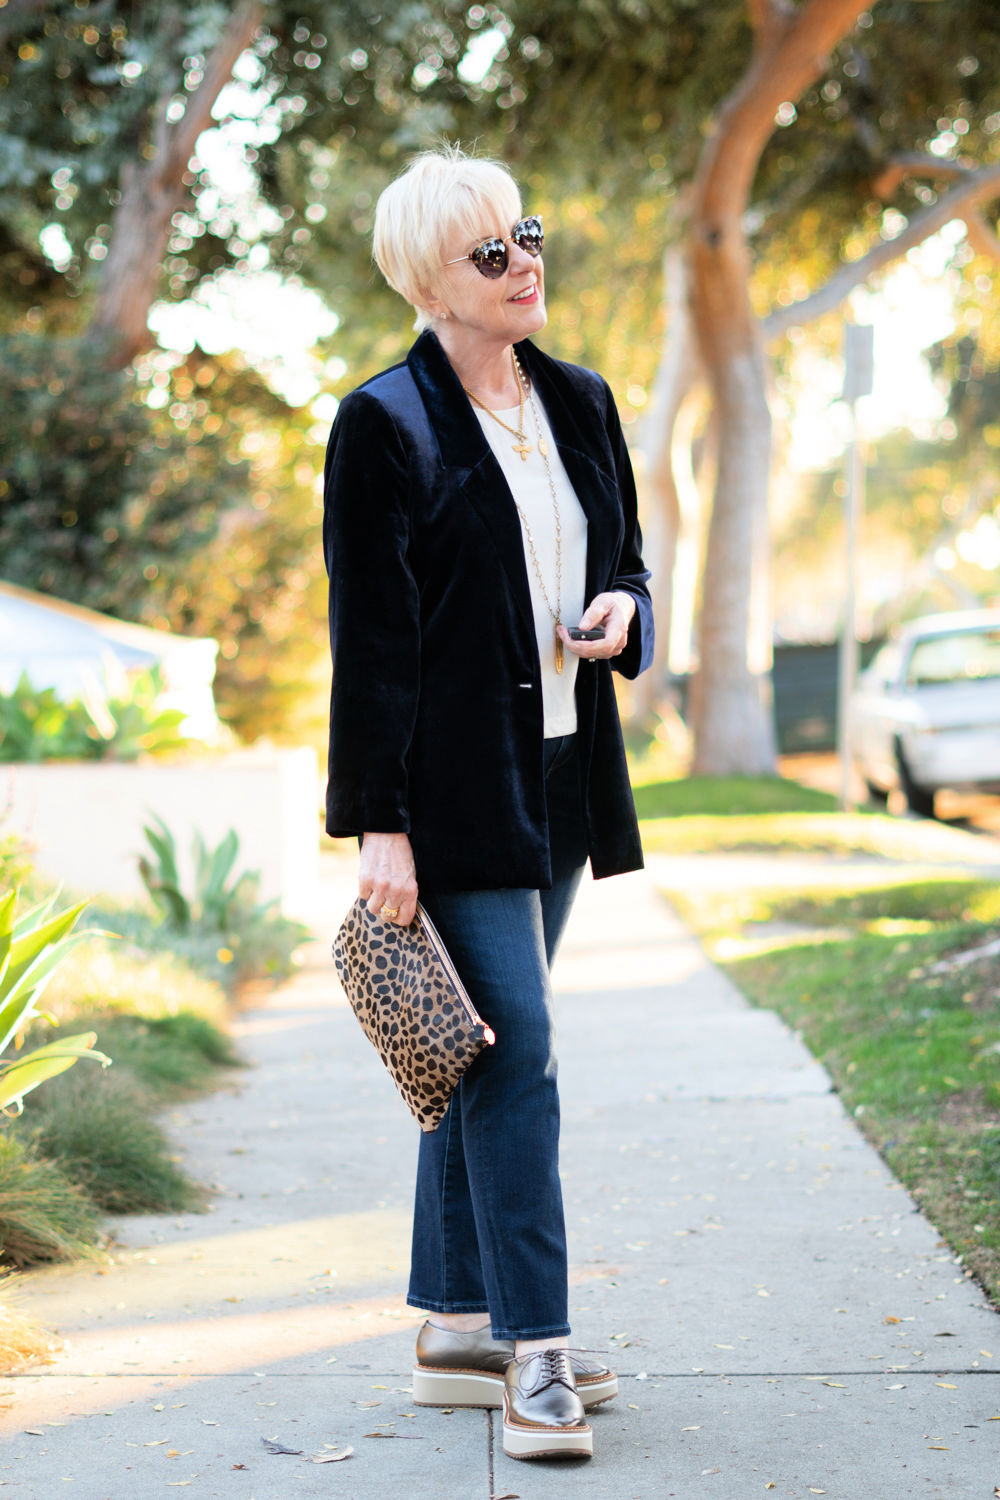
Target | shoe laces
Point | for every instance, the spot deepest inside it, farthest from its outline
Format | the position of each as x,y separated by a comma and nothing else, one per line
554,1366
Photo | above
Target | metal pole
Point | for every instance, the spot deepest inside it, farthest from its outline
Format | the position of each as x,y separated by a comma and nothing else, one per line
858,381
854,481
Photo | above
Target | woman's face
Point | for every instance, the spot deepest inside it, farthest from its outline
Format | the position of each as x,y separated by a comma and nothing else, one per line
502,310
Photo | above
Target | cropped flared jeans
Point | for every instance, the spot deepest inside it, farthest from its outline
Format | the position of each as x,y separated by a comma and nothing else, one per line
488,1227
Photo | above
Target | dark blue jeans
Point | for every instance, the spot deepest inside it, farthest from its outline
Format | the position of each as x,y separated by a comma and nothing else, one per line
488,1227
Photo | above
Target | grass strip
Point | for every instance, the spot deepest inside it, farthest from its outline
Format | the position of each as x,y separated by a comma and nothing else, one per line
726,796
43,1215
101,1134
914,1052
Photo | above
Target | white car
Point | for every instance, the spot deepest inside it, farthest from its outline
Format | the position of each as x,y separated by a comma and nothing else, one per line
926,712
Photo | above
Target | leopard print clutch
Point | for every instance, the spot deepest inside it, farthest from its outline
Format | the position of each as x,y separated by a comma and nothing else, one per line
414,1009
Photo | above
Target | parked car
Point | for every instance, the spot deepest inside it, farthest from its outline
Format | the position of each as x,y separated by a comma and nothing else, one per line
926,712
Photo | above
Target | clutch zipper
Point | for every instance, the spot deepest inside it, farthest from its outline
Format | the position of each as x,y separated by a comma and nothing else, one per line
434,938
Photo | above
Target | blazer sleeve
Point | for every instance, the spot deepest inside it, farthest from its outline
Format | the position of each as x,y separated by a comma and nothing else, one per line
374,621
632,575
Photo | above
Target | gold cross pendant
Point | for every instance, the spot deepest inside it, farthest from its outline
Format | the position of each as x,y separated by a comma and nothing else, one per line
523,448
559,650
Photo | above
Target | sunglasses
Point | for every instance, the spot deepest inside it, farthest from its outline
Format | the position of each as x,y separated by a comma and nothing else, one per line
491,258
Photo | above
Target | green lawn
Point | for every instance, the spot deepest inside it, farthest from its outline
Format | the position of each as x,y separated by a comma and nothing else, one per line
914,1053
769,814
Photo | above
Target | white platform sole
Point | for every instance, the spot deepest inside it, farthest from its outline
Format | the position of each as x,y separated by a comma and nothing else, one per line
456,1388
468,1388
546,1442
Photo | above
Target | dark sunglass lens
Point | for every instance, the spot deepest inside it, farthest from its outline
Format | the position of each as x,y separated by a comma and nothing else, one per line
491,258
528,236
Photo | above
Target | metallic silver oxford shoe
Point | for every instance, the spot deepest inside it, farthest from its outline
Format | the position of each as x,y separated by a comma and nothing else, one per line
467,1369
543,1415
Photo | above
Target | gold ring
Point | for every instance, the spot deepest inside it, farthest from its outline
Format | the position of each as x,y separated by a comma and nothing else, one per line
388,911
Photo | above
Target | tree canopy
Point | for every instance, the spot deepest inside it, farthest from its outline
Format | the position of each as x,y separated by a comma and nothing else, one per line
149,151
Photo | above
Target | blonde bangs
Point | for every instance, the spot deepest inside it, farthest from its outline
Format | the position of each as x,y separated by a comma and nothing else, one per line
441,195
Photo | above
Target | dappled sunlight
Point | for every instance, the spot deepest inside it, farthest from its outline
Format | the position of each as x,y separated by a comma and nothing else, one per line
639,966
312,1258
141,1357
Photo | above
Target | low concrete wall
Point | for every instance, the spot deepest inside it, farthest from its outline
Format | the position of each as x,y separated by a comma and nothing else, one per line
84,819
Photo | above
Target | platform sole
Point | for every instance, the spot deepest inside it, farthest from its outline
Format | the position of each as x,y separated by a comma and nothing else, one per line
481,1389
456,1388
522,1441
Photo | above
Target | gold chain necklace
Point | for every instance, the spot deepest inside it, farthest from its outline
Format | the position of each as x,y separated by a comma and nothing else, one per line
522,445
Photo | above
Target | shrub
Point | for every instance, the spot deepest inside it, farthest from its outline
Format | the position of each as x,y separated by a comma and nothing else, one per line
220,918
31,949
106,1142
141,973
169,1055
43,1216
36,724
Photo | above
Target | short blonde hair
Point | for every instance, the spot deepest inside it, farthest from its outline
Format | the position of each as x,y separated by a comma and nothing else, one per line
439,193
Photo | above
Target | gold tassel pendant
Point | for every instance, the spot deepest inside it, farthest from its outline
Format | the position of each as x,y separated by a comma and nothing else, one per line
559,651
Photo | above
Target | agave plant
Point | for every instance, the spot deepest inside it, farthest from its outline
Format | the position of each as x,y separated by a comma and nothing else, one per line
31,949
213,902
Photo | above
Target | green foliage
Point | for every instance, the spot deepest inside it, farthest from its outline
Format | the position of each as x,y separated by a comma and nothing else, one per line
724,796
219,923
100,493
15,863
31,949
109,1144
170,1056
43,1216
37,725
213,902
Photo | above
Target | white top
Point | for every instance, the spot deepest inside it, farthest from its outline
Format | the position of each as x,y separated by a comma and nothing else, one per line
529,485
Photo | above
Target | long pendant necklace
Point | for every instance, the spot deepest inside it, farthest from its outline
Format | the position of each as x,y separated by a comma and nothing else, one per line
522,446
544,451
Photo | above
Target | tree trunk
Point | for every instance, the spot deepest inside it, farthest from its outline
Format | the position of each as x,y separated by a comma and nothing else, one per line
664,517
152,190
731,700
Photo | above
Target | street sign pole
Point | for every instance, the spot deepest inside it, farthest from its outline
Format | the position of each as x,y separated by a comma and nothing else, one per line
858,380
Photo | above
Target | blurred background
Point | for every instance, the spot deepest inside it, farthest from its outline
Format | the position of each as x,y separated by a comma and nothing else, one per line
186,196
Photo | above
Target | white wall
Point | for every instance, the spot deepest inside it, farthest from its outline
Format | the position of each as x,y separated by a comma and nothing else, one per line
84,820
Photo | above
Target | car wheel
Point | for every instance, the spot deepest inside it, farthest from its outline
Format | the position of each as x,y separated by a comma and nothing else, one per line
919,799
879,794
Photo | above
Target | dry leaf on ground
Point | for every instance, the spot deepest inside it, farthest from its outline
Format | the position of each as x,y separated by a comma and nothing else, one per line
331,1458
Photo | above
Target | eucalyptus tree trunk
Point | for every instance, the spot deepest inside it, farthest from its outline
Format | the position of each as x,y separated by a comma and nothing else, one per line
732,718
153,188
664,518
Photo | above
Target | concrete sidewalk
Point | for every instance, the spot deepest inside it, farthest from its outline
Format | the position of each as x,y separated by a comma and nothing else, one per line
785,1321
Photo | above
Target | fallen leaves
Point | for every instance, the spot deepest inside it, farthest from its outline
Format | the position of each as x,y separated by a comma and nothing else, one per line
331,1458
271,1445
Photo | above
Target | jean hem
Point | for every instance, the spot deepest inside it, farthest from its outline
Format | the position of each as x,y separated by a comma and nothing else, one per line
428,1304
556,1331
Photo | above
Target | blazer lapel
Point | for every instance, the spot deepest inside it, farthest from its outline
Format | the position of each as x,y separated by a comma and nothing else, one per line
595,484
465,450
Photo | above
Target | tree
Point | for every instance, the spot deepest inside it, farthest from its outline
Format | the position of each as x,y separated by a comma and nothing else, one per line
778,153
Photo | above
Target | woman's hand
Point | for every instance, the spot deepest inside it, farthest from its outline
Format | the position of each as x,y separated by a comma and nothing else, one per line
388,876
614,612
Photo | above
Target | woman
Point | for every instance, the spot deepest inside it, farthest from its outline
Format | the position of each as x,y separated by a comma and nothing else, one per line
479,501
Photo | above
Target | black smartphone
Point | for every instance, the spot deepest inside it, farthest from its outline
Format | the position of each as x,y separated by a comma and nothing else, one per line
595,633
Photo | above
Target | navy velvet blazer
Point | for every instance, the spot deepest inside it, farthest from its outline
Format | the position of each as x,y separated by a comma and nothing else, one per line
436,710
